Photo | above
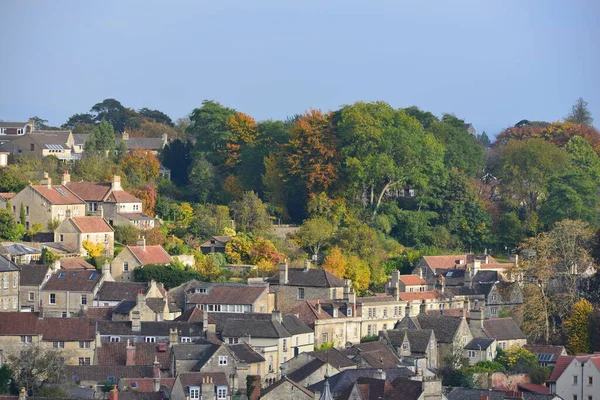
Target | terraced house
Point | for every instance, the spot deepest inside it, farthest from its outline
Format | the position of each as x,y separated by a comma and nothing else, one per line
9,285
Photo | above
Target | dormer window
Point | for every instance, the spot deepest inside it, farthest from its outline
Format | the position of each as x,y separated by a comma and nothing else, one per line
349,311
213,241
200,290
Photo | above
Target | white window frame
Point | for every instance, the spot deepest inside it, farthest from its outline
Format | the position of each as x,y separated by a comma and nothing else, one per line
221,392
125,266
84,344
194,392
223,360
26,339
325,337
52,298
150,339
84,299
115,339
185,339
58,344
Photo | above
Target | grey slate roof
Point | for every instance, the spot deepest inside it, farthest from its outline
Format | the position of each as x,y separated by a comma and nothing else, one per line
150,328
419,340
443,326
20,249
502,329
124,307
116,291
294,325
245,353
479,344
310,278
80,138
6,265
32,274
200,352
262,328
461,393
334,357
101,373
342,381
306,370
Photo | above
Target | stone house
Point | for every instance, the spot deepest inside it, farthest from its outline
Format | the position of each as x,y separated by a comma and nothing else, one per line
285,388
112,293
411,343
134,354
132,257
452,333
95,376
216,244
343,381
405,283
294,285
151,144
74,231
378,313
198,385
145,308
47,203
480,349
171,332
333,321
109,199
505,330
20,253
6,198
69,292
15,128
44,143
231,298
432,266
33,277
9,285
547,354
576,377
372,355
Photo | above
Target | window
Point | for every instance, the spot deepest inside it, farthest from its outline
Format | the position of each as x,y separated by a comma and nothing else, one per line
106,238
349,312
270,363
574,379
125,266
200,290
61,238
5,280
503,345
32,147
335,313
194,393
472,354
385,313
297,340
493,297
590,381
384,327
405,346
222,360
136,207
58,344
285,345
300,293
27,210
221,392
14,302
26,339
84,299
185,339
31,296
115,339
396,311
84,345
84,361
15,279
64,314
52,298
233,340
412,289
493,310
421,289
324,337
150,339
464,340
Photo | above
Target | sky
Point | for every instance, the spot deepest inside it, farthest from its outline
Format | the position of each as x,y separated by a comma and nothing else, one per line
492,63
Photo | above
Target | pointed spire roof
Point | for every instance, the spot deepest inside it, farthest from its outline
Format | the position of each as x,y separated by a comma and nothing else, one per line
326,394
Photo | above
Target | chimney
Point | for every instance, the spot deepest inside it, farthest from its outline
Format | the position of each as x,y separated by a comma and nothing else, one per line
98,338
141,298
113,394
379,374
283,273
423,308
136,324
125,136
101,211
420,273
205,321
276,316
318,307
349,294
208,388
66,178
31,123
48,182
156,375
464,309
55,266
173,337
306,265
165,139
442,284
408,310
477,316
116,183
129,354
141,242
476,265
22,394
396,279
106,268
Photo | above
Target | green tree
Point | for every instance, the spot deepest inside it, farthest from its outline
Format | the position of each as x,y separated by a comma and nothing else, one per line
208,125
202,178
113,112
36,366
426,118
9,230
22,215
462,150
580,114
250,214
210,220
510,230
315,233
120,152
6,379
76,120
170,275
102,138
156,116
578,328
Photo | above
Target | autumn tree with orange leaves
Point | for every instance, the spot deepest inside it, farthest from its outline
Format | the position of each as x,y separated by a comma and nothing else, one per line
141,167
147,195
313,158
243,130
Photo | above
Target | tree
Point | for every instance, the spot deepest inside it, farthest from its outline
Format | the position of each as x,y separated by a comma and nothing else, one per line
210,220
250,214
314,233
34,229
208,125
244,133
113,112
171,275
120,152
484,139
140,167
176,156
147,195
463,151
426,118
76,120
9,230
6,379
102,138
94,167
358,271
202,178
156,116
93,249
578,328
580,114
22,215
313,156
336,262
36,366
41,124
126,234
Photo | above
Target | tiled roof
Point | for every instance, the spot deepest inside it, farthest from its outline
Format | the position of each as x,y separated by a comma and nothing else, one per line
7,195
220,241
345,379
75,263
150,254
20,249
502,329
375,299
256,328
89,191
145,385
443,326
376,354
193,314
554,351
116,291
479,344
121,196
245,353
136,216
90,224
17,323
80,138
101,373
68,329
229,294
131,395
200,353
306,370
309,277
124,307
334,357
294,325
435,262
156,304
418,339
111,354
426,295
412,280
533,388
195,378
33,274
99,313
7,124
73,280
45,137
150,328
6,265
461,393
57,194
561,364
291,382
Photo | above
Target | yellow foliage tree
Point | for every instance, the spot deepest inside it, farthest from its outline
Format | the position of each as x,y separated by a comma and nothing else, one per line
578,327
358,270
94,250
336,262
185,214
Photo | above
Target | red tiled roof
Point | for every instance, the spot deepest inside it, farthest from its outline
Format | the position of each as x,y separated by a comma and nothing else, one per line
194,314
496,265
150,254
7,196
114,354
561,364
136,216
75,263
429,294
55,194
91,224
89,191
533,388
68,329
99,313
411,280
443,262
73,280
229,294
121,196
17,323
146,385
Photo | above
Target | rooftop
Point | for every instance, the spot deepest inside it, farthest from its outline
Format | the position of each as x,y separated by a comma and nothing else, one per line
73,280
311,277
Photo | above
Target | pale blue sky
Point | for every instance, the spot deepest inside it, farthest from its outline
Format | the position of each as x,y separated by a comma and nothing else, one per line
490,62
